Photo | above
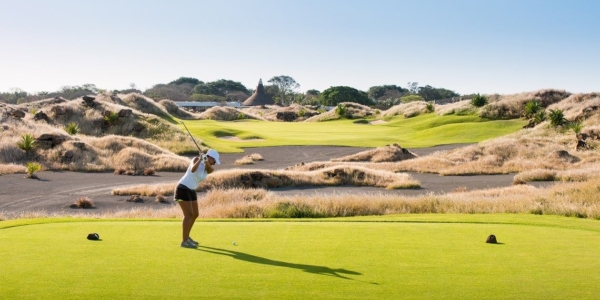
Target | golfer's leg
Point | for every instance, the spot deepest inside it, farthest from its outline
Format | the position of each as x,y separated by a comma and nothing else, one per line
195,213
186,223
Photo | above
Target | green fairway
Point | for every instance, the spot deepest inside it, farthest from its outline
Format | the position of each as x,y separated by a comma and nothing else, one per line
421,131
390,257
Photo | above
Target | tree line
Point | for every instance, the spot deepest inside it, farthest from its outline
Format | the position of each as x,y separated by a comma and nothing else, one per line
283,90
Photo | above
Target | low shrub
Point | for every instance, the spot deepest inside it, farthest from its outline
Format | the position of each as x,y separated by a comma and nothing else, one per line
83,202
149,171
31,168
72,128
27,142
479,100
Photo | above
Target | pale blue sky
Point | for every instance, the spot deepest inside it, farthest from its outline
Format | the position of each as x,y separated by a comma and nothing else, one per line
486,46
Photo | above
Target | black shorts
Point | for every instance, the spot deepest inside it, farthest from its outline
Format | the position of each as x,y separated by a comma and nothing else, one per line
183,193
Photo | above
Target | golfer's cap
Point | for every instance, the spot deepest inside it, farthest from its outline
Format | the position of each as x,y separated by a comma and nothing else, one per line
214,154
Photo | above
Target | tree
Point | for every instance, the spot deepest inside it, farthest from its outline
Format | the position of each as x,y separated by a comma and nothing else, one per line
413,87
479,100
557,118
430,93
338,94
286,86
184,80
221,87
380,92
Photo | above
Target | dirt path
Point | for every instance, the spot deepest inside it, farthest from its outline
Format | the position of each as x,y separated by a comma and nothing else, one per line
56,191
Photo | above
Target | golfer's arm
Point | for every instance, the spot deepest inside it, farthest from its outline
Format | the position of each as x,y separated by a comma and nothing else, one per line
196,164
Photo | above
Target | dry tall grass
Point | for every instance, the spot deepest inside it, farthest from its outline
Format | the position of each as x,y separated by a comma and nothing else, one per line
511,106
239,179
408,110
249,159
390,153
353,111
226,113
574,199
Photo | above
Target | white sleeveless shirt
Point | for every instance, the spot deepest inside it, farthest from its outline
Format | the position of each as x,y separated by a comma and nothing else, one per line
192,179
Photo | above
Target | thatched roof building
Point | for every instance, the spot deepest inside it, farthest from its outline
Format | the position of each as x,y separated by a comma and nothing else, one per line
259,97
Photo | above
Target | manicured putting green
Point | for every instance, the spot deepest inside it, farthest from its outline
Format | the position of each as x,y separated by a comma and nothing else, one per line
401,257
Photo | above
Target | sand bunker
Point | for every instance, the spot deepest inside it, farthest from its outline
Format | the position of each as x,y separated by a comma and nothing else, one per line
376,122
237,139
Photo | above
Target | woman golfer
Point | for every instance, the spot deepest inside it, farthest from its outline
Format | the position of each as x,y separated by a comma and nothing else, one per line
185,193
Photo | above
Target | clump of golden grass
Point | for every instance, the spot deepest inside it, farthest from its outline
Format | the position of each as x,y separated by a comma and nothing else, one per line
11,169
390,153
149,171
408,110
161,199
353,111
175,110
460,107
249,159
591,171
135,199
83,202
146,189
226,113
269,112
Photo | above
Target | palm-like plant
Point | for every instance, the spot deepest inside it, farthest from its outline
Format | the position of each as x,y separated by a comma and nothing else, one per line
576,127
532,108
31,168
72,128
111,118
540,117
557,118
27,142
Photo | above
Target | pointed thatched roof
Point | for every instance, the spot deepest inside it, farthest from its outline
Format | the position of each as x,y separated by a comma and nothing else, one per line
259,97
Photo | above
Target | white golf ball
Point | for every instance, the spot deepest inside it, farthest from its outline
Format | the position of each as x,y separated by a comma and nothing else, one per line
233,243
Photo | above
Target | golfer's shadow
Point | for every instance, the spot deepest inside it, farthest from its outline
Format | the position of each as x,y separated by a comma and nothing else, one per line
321,270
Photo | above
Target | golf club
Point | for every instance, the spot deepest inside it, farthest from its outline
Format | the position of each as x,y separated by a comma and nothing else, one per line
191,136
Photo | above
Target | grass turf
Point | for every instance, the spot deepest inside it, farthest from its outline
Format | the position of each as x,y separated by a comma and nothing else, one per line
420,131
390,257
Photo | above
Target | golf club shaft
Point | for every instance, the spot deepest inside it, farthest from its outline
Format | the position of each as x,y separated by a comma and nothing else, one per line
191,136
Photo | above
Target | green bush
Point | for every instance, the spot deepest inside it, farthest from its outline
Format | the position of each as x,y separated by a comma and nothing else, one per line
430,107
241,116
540,117
531,108
479,100
301,113
72,128
111,118
341,110
411,98
557,118
32,167
361,121
576,127
27,142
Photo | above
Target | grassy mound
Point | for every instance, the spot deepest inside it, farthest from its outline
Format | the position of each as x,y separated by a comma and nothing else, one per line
390,153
